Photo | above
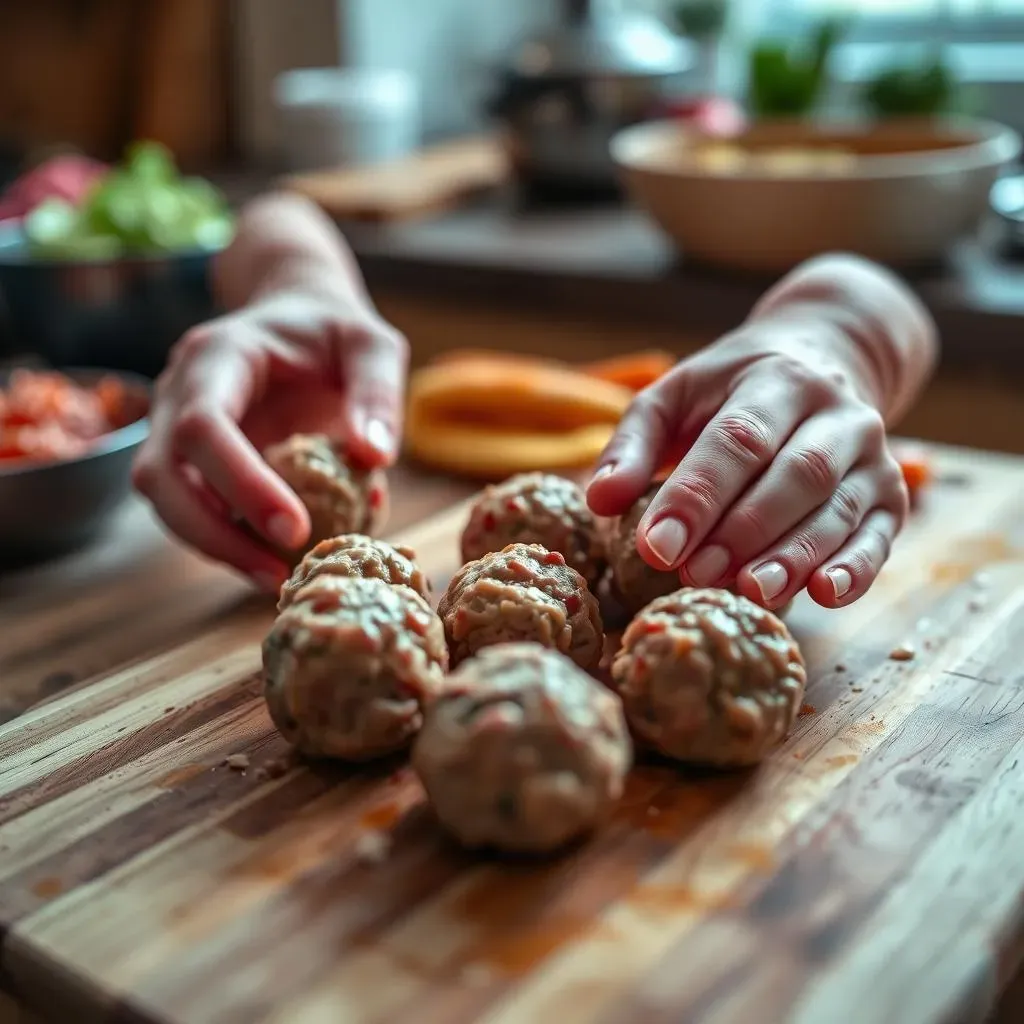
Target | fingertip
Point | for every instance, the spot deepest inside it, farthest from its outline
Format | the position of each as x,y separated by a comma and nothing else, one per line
372,441
836,586
288,529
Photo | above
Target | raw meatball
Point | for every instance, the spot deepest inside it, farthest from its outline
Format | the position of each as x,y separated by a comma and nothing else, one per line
349,664
523,592
524,751
354,554
340,497
709,677
536,508
636,583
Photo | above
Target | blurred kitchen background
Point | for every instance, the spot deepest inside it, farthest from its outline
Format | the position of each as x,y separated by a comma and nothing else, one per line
464,146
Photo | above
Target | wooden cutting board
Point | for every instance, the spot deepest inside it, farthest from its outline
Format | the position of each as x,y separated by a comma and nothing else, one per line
870,871
428,182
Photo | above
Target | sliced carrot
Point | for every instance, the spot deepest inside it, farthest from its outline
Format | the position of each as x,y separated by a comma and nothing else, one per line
634,371
917,471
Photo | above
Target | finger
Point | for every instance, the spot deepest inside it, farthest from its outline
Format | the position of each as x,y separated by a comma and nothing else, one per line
729,454
801,478
373,369
183,510
637,448
211,392
851,571
784,568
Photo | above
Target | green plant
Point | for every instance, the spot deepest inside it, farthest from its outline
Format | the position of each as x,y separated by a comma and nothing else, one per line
786,80
701,19
921,89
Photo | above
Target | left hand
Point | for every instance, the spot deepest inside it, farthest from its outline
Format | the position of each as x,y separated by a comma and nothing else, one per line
783,476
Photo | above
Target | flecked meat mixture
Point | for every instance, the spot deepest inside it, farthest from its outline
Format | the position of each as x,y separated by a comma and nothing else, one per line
355,554
341,498
349,665
537,508
523,592
523,752
709,677
635,582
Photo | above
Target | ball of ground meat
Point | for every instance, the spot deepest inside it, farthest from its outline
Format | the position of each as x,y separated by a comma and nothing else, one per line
537,508
355,554
635,582
523,592
349,665
709,677
340,497
524,751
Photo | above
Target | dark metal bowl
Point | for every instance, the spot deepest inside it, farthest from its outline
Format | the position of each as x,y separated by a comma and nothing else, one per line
120,314
52,508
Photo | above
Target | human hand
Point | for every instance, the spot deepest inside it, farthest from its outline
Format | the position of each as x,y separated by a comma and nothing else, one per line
783,478
291,361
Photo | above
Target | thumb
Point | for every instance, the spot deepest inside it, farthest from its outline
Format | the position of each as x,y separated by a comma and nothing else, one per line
373,365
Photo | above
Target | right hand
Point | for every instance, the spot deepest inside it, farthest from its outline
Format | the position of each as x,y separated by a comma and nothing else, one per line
290,362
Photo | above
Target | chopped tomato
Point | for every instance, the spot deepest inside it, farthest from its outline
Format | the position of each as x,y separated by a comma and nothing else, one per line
46,415
916,467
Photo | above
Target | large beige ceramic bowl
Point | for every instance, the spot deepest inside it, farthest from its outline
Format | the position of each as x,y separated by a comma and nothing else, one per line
899,192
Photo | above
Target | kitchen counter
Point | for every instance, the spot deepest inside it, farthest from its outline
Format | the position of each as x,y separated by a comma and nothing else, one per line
869,871
609,265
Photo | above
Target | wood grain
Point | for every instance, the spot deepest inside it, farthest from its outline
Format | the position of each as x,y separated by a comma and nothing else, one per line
869,871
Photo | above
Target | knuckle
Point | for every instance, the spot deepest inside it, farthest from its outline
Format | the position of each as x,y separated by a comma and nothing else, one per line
744,435
873,429
878,547
192,425
804,551
814,470
745,530
694,496
191,343
822,387
848,507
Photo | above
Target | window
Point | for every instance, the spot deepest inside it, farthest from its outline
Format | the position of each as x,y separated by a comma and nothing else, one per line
996,21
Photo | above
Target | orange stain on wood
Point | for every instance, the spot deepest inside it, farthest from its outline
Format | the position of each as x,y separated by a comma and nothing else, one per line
668,805
383,816
674,899
519,952
48,888
757,856
841,760
807,709
976,553
180,775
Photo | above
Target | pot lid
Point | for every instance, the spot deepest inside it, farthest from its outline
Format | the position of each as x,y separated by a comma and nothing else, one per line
598,41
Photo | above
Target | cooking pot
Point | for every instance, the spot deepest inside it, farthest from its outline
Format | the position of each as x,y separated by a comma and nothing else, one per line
563,94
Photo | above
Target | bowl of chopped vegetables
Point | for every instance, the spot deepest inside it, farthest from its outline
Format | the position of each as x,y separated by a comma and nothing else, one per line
67,440
110,269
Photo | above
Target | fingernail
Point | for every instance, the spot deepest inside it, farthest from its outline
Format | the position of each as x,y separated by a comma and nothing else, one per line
281,529
667,538
606,470
267,581
708,565
771,579
379,436
840,579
